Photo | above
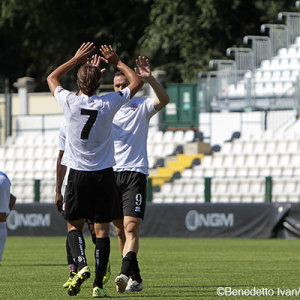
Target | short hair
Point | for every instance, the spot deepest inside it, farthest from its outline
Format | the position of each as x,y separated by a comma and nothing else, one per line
119,73
89,79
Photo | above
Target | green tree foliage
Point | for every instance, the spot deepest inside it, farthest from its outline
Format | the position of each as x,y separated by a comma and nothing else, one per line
179,36
184,35
38,35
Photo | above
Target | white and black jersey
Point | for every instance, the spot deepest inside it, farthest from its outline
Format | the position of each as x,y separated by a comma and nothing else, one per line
89,137
130,126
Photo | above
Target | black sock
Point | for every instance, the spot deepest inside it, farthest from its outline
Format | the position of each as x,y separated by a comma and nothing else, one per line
71,263
135,271
137,276
101,257
94,238
130,266
77,247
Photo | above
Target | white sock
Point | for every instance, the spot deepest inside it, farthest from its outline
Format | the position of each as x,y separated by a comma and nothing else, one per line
3,235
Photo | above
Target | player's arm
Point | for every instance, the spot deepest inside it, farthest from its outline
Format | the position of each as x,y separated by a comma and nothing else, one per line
60,175
144,71
110,57
80,56
12,201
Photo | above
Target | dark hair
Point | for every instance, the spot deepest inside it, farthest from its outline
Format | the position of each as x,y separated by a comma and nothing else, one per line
89,79
119,73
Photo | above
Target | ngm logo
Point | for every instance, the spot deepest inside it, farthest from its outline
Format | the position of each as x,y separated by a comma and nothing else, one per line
195,220
16,220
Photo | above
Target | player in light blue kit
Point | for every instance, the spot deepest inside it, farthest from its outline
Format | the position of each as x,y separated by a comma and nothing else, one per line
7,202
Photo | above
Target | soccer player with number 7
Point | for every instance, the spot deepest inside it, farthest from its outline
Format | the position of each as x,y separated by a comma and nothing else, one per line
89,149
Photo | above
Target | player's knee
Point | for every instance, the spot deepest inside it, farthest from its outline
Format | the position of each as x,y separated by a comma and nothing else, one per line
101,230
132,228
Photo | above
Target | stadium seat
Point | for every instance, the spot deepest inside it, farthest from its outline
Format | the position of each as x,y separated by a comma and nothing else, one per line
169,148
157,199
206,161
156,137
199,188
189,136
198,172
293,146
191,199
200,199
220,172
258,198
169,199
231,171
188,189
209,172
168,136
177,187
166,189
179,199
240,160
158,150
219,186
250,160
178,136
220,199
187,174
227,148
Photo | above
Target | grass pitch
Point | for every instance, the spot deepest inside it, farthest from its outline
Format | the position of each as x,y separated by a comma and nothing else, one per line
35,268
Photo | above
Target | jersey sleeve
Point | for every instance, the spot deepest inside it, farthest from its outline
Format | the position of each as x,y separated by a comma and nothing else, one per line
61,96
3,174
149,103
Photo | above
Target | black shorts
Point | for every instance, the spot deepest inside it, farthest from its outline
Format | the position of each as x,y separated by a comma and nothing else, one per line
90,195
131,194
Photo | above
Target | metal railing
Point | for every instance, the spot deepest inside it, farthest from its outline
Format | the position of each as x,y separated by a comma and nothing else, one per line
278,34
239,90
261,46
238,74
36,124
293,24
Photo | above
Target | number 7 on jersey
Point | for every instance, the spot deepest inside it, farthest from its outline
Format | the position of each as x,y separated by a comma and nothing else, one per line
89,123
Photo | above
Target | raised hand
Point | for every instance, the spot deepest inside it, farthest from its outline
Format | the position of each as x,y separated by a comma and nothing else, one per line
95,61
109,55
84,51
143,67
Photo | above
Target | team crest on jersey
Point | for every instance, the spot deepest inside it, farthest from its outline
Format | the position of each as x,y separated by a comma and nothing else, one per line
133,107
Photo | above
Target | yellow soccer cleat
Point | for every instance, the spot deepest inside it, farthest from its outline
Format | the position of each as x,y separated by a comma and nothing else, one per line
99,293
81,276
70,279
